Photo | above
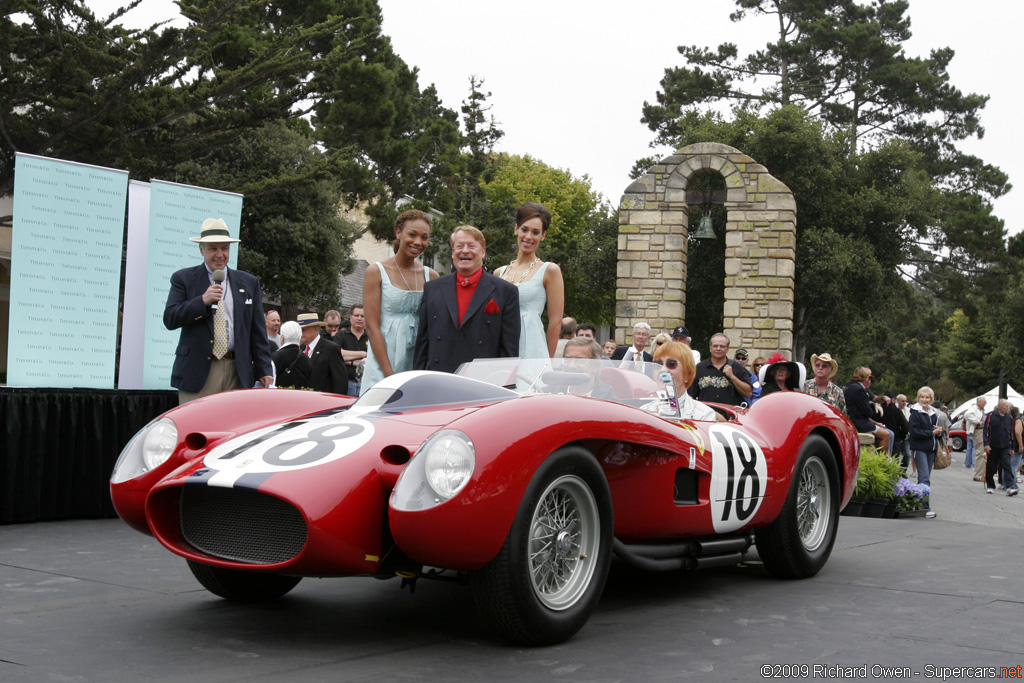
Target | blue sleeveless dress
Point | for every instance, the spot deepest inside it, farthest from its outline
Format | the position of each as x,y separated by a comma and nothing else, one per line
399,320
533,336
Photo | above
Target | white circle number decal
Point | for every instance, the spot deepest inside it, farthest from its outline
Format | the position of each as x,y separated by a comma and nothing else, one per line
291,446
739,476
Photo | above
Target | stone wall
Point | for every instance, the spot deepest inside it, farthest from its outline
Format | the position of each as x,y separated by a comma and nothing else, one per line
760,249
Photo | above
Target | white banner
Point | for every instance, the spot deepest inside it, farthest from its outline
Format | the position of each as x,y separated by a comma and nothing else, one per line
176,212
65,273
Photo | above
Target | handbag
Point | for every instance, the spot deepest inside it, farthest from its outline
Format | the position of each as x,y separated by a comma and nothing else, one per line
942,457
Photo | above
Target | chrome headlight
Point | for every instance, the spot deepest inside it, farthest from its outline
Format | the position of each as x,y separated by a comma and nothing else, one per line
449,462
439,469
148,449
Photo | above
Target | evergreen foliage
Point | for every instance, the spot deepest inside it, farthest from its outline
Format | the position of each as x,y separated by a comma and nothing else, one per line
895,230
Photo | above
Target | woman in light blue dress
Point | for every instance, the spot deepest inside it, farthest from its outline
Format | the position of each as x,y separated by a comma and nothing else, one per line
392,293
540,284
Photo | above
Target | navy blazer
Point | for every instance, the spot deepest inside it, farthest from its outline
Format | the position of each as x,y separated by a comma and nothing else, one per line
185,309
443,344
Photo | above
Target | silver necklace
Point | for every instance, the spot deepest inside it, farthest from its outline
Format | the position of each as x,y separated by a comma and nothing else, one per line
414,279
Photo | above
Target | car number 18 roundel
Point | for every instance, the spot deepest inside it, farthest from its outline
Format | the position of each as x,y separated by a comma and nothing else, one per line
288,447
739,476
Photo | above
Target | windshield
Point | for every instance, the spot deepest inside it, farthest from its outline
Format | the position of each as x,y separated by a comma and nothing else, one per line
418,389
576,376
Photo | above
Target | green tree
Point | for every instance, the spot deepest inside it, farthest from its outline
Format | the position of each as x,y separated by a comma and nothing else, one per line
478,162
844,63
85,89
882,191
840,60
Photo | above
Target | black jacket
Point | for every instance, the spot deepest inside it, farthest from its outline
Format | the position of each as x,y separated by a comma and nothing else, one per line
293,368
998,432
328,372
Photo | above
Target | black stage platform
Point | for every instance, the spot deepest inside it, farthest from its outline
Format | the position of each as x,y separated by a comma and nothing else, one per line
60,445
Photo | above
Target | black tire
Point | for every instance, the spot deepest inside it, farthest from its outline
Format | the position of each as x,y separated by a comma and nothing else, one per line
239,586
798,543
958,443
539,593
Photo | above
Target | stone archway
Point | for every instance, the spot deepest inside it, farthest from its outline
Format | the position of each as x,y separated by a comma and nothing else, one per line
760,248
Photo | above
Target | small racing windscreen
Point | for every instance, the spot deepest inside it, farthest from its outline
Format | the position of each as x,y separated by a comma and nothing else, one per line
410,390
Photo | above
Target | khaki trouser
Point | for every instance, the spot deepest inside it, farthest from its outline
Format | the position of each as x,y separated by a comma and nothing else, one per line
980,459
223,377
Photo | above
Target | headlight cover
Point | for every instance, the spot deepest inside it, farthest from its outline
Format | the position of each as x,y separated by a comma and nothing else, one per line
148,449
439,469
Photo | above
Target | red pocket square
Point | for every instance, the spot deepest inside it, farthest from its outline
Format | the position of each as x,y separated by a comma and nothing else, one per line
492,307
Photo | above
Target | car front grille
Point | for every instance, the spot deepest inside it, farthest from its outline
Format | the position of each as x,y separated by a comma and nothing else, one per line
241,524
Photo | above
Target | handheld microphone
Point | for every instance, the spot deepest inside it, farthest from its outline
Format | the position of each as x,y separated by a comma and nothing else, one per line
218,277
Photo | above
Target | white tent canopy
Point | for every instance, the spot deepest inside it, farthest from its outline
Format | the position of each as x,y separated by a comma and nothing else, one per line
992,397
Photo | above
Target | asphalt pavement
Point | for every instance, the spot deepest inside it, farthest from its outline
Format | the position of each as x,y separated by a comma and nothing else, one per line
93,600
956,497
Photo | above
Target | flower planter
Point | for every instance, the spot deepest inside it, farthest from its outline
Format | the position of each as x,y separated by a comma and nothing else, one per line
911,513
890,509
855,508
874,507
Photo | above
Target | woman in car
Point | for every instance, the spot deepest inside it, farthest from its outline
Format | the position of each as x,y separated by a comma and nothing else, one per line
677,359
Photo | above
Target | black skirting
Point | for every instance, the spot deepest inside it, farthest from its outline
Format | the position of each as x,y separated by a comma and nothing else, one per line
60,445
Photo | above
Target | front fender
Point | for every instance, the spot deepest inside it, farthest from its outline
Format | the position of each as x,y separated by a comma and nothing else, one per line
511,440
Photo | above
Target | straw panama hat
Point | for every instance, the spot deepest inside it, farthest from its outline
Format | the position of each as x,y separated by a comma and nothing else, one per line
214,230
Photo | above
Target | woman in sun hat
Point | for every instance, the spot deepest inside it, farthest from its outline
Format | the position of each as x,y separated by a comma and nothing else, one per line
780,374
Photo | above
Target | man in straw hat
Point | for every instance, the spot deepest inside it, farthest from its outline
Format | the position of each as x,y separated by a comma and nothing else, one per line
328,372
223,343
821,384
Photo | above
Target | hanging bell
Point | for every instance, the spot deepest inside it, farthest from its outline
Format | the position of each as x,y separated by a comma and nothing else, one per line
705,230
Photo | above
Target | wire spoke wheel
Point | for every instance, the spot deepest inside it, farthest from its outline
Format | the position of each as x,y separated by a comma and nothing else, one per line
563,541
546,580
813,504
797,544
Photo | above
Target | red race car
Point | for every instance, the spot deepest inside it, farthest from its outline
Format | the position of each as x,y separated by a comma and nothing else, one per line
510,475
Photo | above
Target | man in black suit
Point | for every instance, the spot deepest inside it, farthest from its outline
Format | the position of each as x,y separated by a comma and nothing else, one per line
629,355
467,314
217,351
328,371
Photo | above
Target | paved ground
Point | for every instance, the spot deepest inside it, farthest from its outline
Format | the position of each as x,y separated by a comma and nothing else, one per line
95,601
958,498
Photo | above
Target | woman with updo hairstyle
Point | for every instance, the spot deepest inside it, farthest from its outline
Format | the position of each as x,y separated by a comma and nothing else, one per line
540,284
677,359
392,293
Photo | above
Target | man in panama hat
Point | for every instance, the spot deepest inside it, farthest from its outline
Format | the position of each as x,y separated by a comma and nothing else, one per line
223,343
328,373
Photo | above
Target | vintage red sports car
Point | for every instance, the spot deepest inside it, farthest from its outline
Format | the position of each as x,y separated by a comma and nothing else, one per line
510,475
